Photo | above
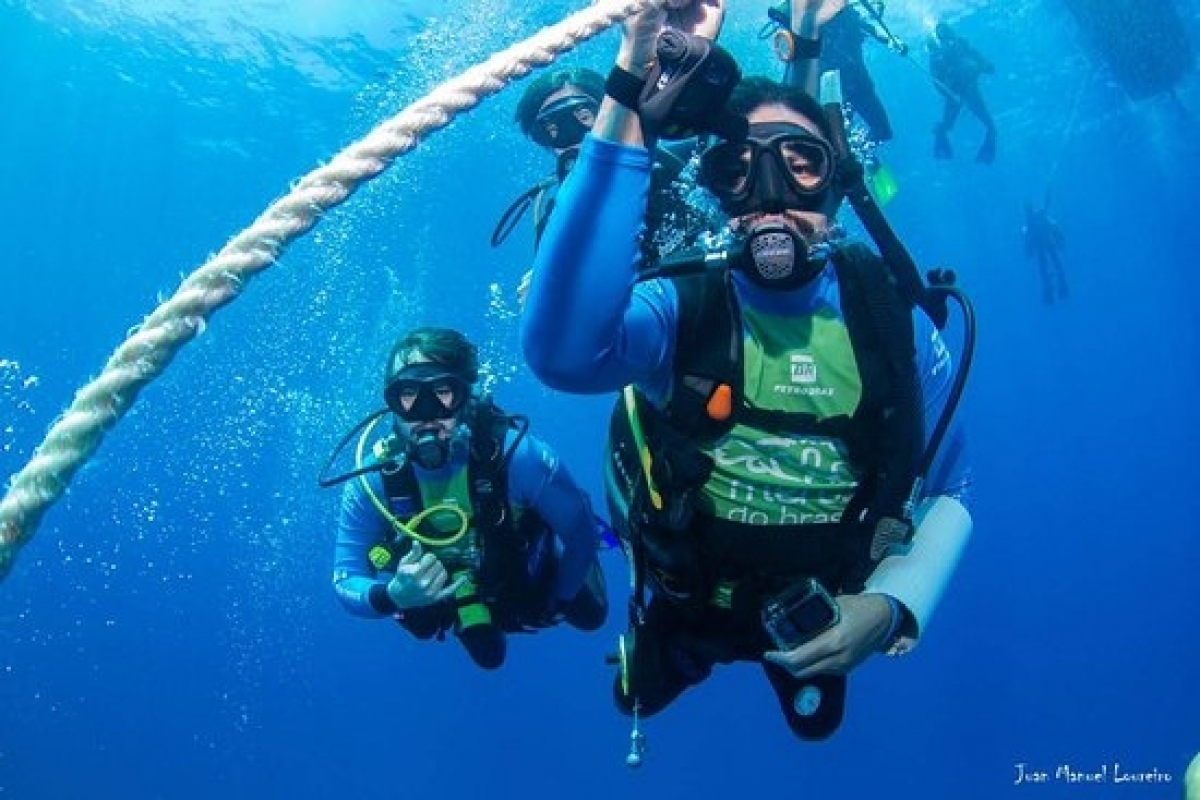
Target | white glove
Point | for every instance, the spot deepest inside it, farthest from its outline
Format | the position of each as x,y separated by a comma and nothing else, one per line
421,580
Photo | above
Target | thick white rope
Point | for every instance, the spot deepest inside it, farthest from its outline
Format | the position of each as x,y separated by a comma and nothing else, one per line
100,404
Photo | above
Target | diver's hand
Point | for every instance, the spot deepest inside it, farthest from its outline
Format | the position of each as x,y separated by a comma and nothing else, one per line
420,580
813,14
865,620
701,17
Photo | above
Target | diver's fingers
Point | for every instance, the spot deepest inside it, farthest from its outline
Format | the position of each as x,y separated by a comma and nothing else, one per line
413,555
428,563
431,571
449,591
433,582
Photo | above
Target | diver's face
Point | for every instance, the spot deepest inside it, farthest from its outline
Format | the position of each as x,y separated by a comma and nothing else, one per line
448,398
810,225
582,113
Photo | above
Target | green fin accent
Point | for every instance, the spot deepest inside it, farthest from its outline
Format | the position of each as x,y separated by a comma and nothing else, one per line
882,183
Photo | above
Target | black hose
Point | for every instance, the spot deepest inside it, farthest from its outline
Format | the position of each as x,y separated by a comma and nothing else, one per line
513,214
960,375
324,480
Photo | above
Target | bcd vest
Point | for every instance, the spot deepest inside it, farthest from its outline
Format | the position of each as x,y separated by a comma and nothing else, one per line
883,437
503,539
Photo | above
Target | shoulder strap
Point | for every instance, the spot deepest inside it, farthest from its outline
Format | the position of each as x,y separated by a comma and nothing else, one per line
488,470
708,353
505,544
889,427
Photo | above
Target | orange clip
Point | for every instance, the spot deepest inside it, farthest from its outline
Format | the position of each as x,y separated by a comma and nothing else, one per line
720,403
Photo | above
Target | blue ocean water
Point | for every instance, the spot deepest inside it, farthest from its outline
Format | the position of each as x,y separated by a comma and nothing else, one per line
171,631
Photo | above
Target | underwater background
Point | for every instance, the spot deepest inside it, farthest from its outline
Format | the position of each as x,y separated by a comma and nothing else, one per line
171,631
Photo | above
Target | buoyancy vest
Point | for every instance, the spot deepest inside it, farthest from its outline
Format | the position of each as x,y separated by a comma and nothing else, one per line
883,437
497,548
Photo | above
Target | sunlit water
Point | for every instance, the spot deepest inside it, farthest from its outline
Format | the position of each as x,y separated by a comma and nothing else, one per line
170,632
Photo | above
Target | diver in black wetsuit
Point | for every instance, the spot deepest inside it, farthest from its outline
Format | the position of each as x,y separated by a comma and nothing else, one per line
1044,242
957,67
555,112
842,50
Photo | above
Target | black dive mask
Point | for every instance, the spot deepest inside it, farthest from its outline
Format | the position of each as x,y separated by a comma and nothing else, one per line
776,257
426,392
780,166
565,122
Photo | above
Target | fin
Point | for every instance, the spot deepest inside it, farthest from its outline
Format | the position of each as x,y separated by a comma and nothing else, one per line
882,183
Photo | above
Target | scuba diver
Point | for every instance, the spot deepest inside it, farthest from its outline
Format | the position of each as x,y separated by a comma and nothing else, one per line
956,67
1044,243
774,468
555,112
462,521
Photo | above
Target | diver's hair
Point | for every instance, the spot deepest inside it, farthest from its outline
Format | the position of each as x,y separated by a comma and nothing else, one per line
443,346
589,81
757,91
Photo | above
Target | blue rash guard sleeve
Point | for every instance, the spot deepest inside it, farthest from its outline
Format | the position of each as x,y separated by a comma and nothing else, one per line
536,479
584,328
360,527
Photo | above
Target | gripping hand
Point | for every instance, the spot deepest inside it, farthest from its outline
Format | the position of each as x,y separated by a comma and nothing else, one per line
421,580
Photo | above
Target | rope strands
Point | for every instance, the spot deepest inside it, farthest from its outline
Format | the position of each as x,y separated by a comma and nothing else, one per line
152,345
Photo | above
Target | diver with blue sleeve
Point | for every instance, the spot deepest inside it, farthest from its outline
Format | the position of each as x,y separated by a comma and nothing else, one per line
461,520
783,468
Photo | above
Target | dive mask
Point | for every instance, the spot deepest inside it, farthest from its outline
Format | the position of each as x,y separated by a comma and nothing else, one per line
779,166
564,122
426,392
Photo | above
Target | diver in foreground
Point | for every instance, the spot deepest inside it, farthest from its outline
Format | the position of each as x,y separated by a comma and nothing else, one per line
771,468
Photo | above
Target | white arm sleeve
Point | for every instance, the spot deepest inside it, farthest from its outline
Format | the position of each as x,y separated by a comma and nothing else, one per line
919,576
